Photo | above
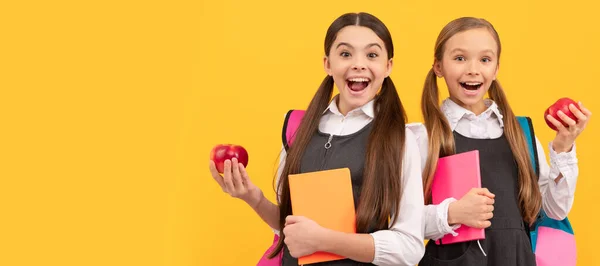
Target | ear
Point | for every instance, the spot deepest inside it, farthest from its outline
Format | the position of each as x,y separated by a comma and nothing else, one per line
437,68
496,72
390,64
327,65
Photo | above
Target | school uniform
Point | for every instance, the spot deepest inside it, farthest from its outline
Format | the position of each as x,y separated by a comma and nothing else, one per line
507,241
346,138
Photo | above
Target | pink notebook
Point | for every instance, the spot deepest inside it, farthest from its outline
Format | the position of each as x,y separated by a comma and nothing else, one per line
454,177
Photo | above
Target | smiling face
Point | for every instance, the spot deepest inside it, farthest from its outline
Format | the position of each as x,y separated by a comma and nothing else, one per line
358,63
469,64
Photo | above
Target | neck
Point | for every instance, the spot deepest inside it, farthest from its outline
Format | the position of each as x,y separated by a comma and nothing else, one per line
477,108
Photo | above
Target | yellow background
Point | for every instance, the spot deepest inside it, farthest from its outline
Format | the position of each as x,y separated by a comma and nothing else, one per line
109,109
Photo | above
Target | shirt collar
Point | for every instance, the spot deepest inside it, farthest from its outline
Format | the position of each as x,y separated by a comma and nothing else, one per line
367,109
455,112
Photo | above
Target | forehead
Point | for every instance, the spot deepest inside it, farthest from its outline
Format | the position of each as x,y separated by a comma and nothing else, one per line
357,36
473,40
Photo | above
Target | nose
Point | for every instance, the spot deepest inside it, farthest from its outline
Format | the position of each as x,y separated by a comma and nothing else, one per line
359,64
358,67
473,68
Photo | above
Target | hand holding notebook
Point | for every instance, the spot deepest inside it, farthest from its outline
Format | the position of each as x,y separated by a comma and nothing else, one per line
456,175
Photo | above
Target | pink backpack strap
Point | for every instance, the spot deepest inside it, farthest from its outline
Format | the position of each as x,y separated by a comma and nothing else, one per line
290,125
275,261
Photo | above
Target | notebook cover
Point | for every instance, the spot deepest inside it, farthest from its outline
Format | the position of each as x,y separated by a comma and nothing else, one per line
326,198
455,175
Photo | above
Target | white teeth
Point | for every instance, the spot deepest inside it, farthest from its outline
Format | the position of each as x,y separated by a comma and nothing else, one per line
473,83
359,80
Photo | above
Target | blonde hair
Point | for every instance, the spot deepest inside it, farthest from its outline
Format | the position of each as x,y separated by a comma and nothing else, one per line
441,139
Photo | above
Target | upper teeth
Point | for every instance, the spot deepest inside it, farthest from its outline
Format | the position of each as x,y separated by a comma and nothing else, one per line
472,83
359,80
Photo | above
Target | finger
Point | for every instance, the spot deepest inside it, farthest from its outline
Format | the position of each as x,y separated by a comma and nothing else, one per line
291,219
490,208
485,224
489,201
488,215
585,111
566,119
237,178
485,192
285,230
227,178
293,253
215,174
245,177
555,122
480,224
577,113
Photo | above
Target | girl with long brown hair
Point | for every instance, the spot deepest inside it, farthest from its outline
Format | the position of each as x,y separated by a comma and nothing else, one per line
362,128
467,53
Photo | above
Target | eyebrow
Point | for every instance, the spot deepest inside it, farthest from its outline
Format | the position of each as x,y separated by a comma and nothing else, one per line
484,51
367,47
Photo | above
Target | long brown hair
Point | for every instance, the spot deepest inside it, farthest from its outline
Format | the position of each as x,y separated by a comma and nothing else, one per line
441,140
381,188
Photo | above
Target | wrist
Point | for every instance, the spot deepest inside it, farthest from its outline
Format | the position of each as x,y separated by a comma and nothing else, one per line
452,219
322,237
560,147
255,199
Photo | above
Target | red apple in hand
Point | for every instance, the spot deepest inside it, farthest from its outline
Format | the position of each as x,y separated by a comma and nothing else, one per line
561,105
223,152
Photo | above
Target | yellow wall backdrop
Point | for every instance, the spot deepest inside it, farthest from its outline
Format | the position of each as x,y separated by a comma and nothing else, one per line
108,111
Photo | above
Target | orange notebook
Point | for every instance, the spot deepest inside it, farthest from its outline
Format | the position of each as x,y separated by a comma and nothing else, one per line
326,198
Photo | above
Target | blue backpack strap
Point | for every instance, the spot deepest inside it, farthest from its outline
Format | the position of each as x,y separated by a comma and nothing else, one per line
543,219
527,127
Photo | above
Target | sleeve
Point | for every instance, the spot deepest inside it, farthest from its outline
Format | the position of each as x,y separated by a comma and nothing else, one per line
402,243
557,198
435,217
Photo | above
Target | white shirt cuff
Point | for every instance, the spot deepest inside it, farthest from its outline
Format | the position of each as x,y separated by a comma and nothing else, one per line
442,214
564,162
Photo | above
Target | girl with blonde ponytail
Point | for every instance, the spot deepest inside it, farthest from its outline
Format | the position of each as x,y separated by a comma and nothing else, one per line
467,54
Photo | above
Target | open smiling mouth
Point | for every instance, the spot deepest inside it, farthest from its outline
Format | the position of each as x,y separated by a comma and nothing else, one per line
472,86
358,84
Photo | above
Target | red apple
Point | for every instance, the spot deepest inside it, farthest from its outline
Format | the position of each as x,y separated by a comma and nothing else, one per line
223,152
561,105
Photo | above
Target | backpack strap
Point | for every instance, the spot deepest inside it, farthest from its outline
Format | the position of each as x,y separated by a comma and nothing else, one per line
527,127
290,125
543,219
